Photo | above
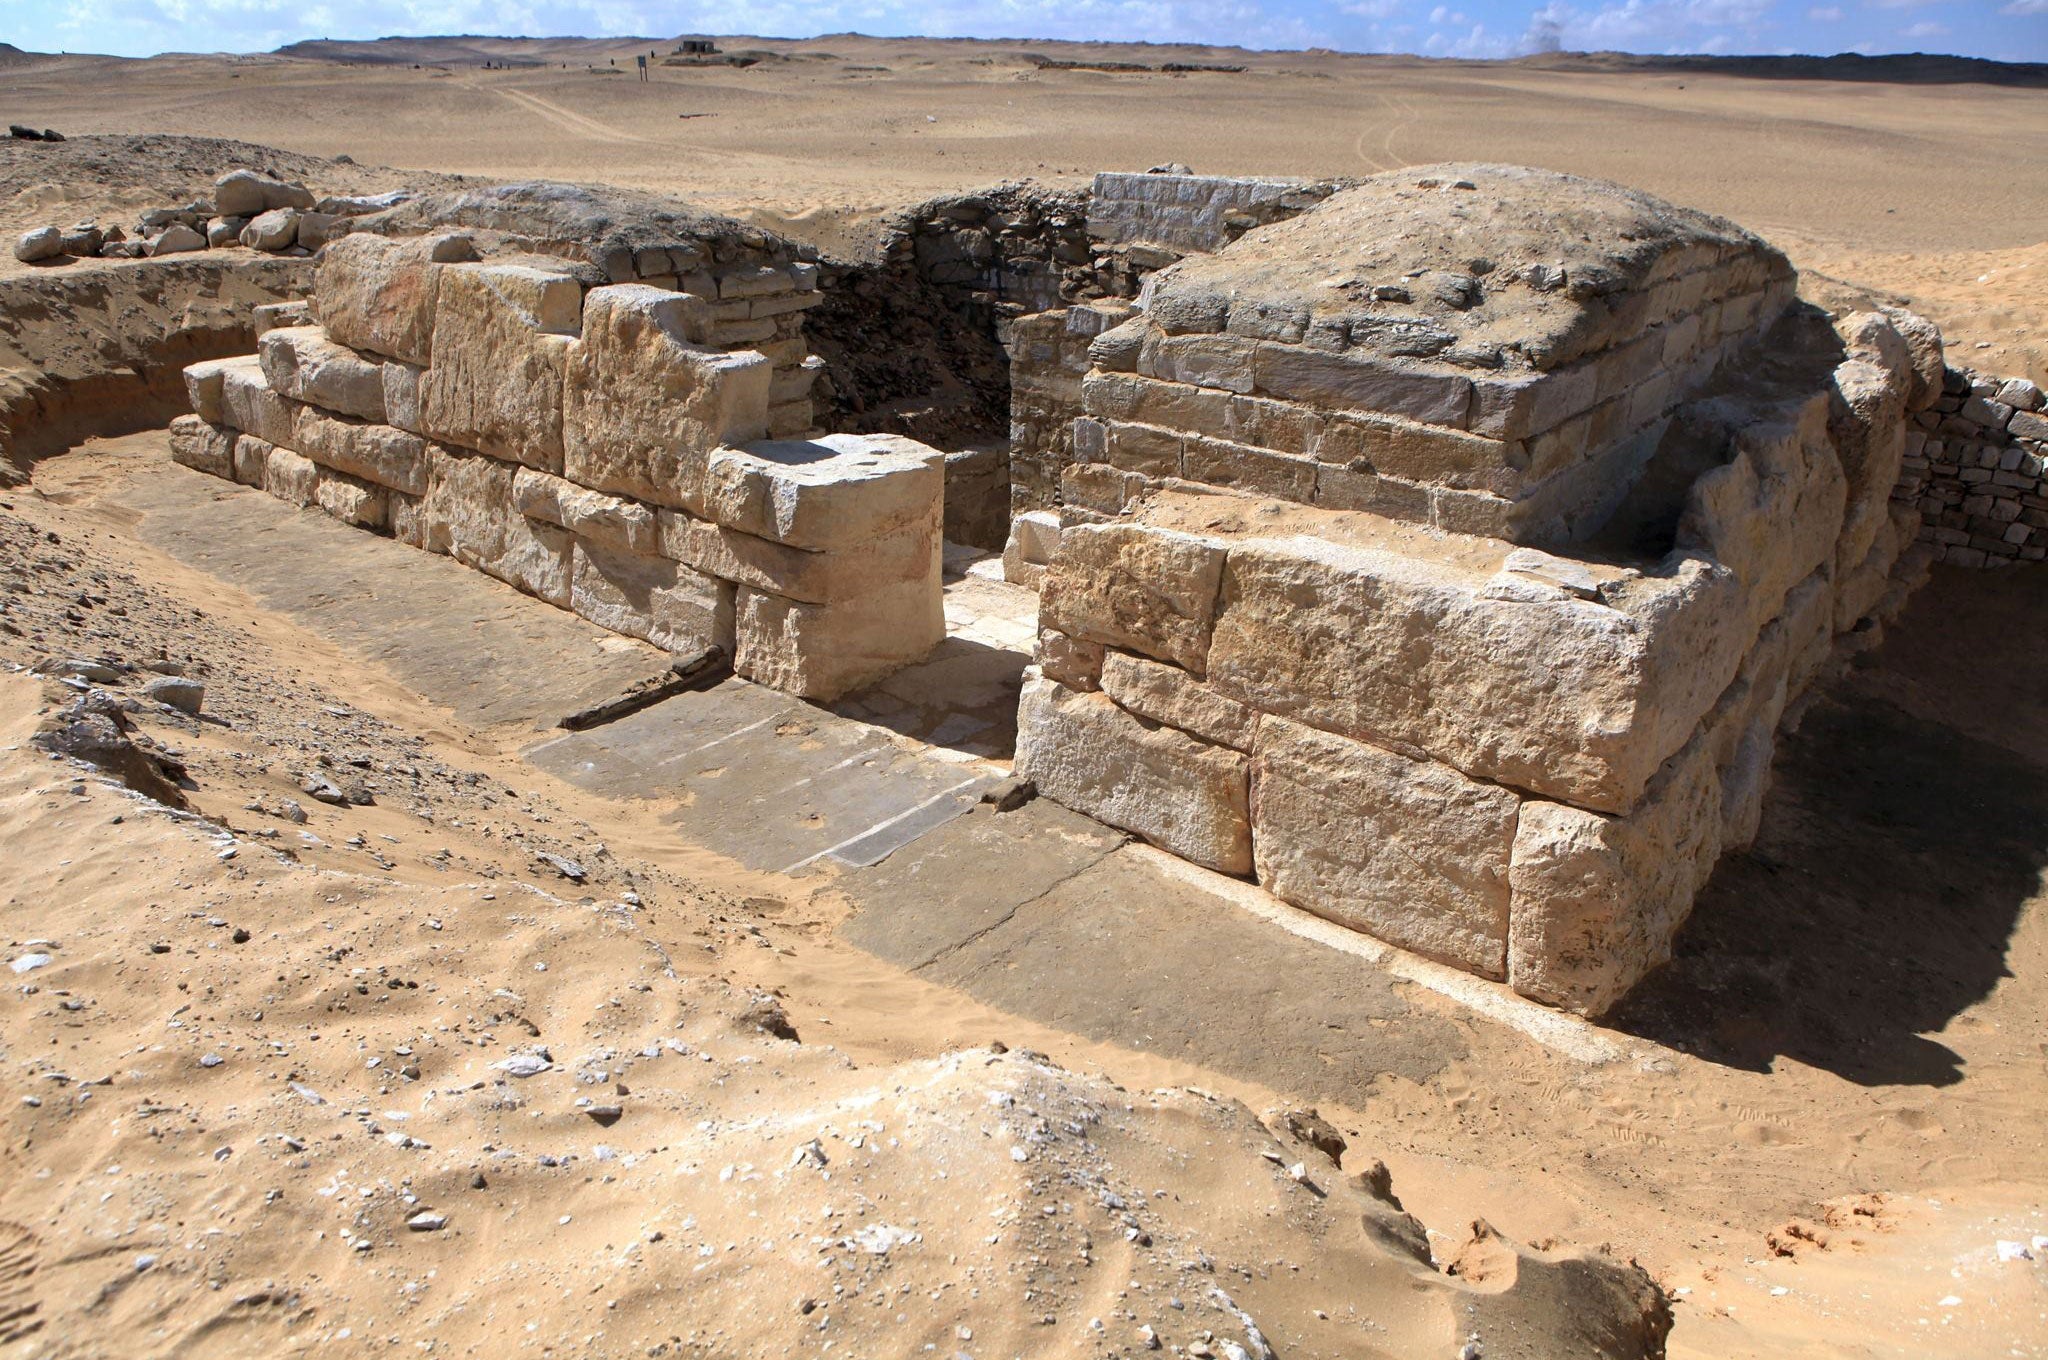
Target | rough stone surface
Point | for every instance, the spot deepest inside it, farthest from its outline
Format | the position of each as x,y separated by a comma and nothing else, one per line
823,651
376,295
1403,848
643,596
1169,695
1132,586
1185,796
644,405
838,491
499,354
300,362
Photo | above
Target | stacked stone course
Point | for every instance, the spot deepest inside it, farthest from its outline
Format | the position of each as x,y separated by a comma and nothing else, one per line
1315,612
1976,468
601,446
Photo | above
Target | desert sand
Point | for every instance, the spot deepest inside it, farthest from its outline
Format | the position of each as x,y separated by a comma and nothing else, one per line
259,1047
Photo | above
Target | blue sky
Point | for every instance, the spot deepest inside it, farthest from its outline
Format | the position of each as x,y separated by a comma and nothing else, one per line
2007,29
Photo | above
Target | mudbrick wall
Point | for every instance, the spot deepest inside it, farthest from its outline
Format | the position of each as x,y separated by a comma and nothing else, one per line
1976,468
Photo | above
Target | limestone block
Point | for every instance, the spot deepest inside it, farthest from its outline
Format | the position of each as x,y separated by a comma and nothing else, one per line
248,404
1072,662
1405,849
376,453
275,230
1034,538
410,523
670,605
1137,587
1350,382
643,406
401,383
245,193
269,316
607,521
376,294
290,477
252,456
203,447
1185,796
316,229
352,500
1774,511
812,577
203,388
468,514
1167,694
499,356
836,491
1597,899
1569,698
300,362
821,651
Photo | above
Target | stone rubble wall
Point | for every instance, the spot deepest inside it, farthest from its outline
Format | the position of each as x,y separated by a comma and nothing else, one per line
1516,763
604,448
1187,214
1976,469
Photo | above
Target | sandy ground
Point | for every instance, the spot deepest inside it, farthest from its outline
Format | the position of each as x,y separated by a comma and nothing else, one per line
1815,1141
1923,192
1824,1120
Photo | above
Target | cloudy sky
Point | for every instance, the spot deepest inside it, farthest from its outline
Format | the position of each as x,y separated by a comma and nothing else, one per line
2007,29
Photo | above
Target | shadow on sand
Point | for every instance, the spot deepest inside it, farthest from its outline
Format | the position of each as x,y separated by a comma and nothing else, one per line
1905,833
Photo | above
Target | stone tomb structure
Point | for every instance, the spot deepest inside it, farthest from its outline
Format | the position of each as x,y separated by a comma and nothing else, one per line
603,446
1447,558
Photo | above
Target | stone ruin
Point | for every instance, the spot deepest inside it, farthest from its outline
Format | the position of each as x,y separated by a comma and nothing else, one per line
641,452
1443,551
1447,558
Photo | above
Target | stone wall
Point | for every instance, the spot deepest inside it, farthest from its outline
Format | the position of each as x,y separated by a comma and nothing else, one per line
1976,469
1192,214
597,445
1318,613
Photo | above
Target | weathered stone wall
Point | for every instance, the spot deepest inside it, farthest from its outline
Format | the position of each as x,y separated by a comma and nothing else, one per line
1190,214
599,446
1517,763
1292,622
1976,469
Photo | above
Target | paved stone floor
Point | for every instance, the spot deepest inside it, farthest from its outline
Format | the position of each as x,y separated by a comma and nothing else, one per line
1039,911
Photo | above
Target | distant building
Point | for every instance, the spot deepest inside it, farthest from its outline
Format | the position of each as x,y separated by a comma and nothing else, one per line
696,47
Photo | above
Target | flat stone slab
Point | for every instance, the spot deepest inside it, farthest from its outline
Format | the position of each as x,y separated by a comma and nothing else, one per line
455,636
769,780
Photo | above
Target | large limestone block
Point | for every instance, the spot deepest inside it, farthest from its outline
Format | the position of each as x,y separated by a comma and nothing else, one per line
291,477
401,384
1167,694
203,387
300,362
1183,795
812,577
203,446
662,601
1571,698
376,294
499,355
468,514
1137,587
1774,511
608,521
1597,899
352,500
643,405
1353,382
837,491
376,453
252,456
821,651
248,404
245,193
1405,849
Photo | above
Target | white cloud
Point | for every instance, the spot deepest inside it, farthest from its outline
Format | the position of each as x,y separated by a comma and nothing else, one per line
1826,14
2026,7
1928,29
